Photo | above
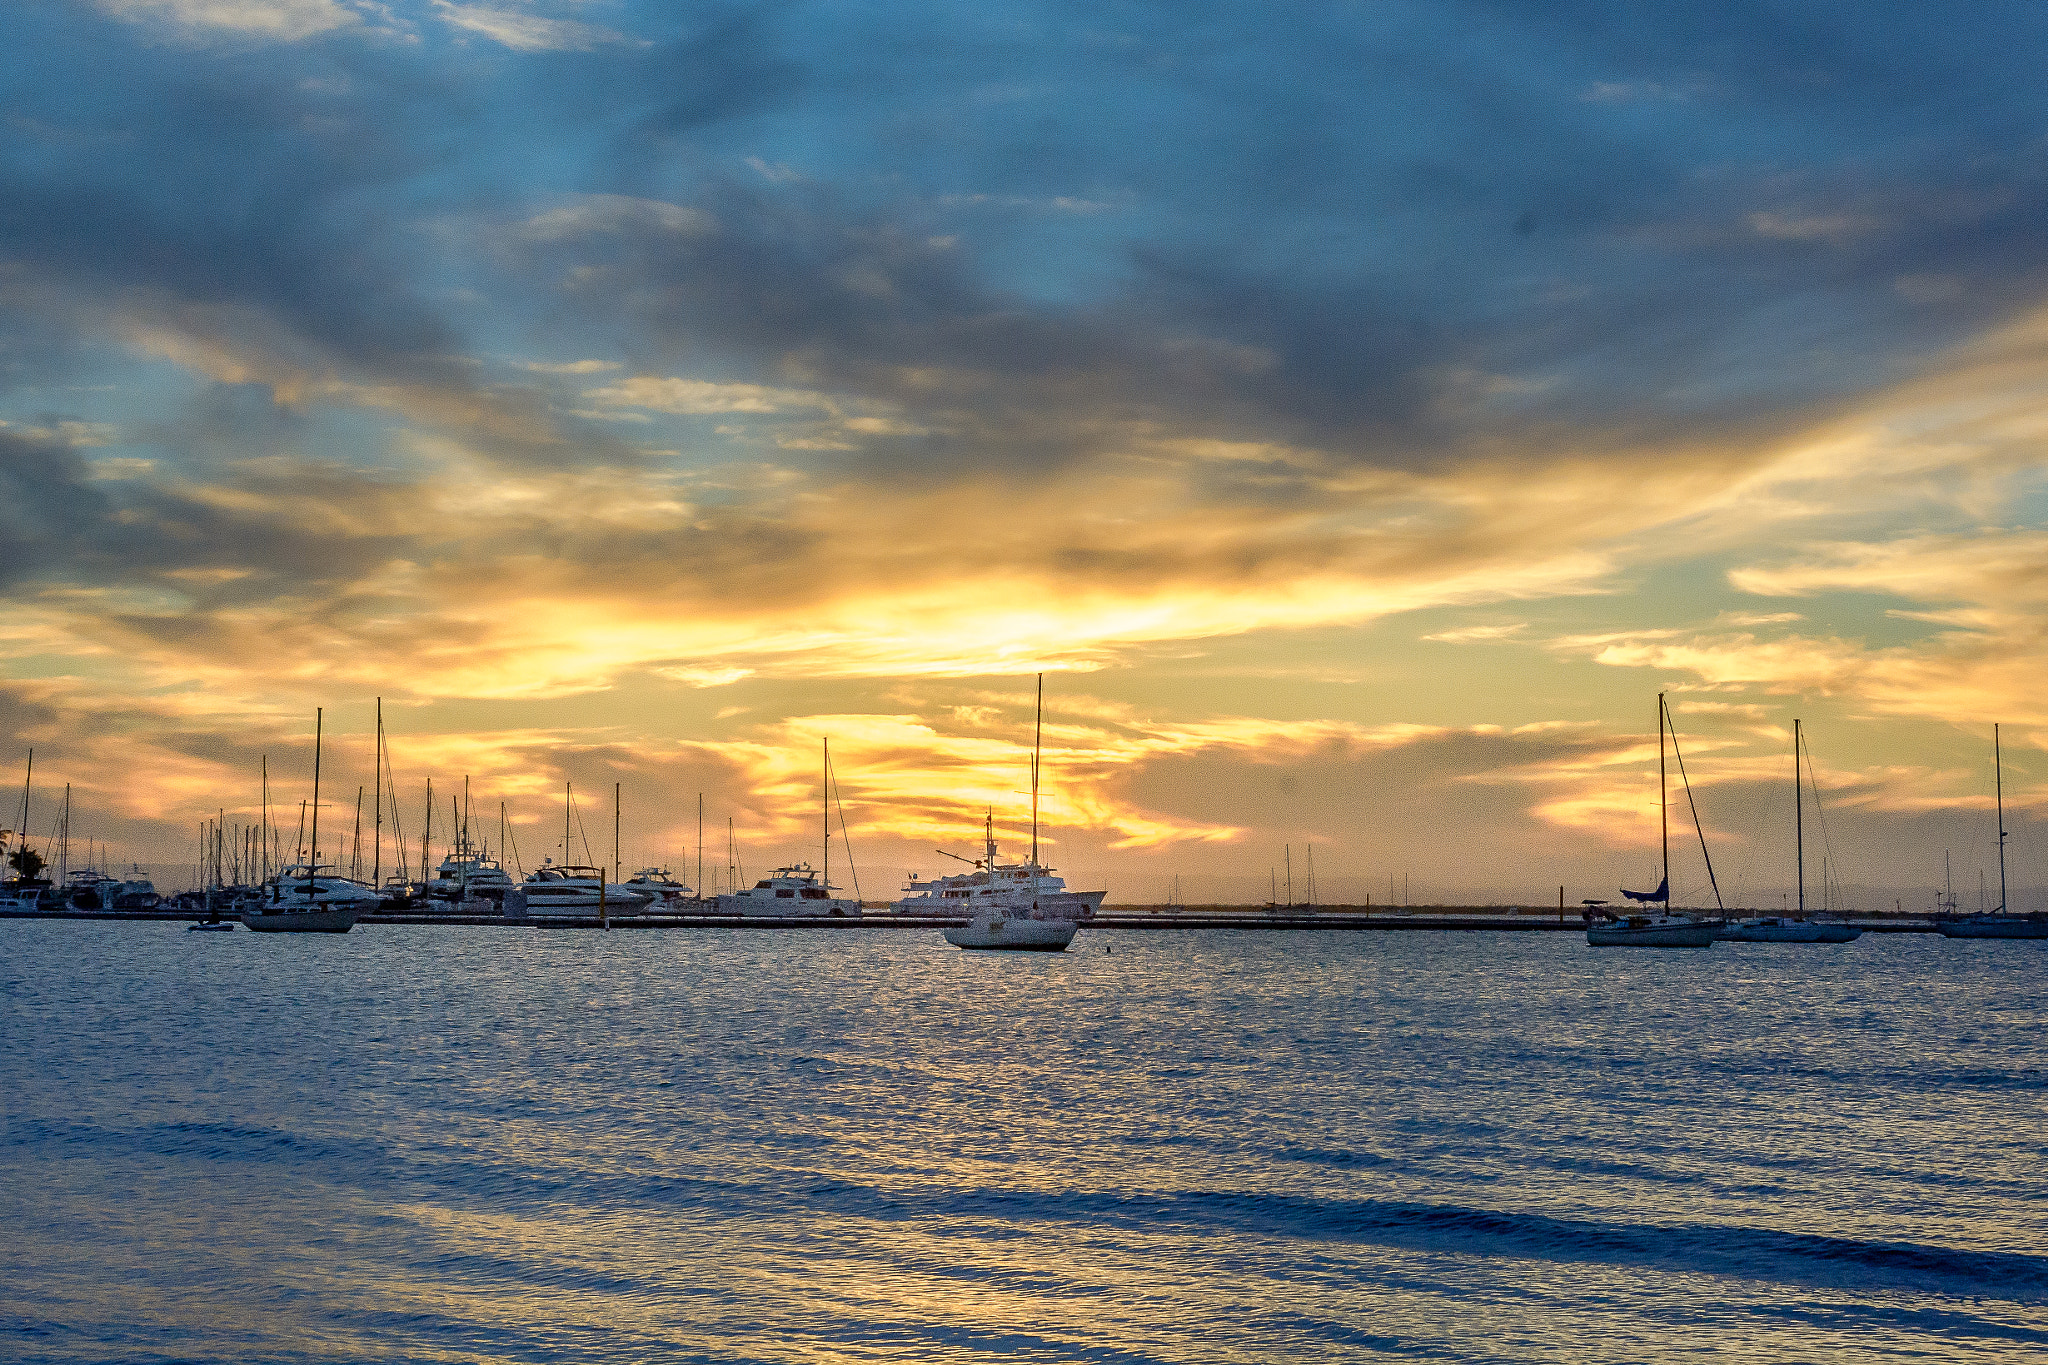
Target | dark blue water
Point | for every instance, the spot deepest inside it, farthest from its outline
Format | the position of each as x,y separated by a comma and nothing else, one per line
519,1145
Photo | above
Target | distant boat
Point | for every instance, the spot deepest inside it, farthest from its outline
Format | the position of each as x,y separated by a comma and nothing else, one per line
994,927
1794,928
1017,919
300,900
1772,929
661,885
562,889
1662,929
469,873
1997,924
798,890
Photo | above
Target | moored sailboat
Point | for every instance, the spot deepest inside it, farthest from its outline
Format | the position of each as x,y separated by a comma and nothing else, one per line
300,900
1662,929
1997,924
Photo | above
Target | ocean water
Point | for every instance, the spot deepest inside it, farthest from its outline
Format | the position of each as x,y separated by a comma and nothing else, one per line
414,1144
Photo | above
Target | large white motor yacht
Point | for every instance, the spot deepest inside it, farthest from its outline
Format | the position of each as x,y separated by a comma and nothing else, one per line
663,888
790,891
469,872
1015,887
562,889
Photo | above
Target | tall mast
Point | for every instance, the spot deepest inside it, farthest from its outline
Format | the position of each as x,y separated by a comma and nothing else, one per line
825,811
1037,747
266,818
377,806
1663,807
700,846
314,862
615,831
1998,776
1798,818
427,835
355,857
568,795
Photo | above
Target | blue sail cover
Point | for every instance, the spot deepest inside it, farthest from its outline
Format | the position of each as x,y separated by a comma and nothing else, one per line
1657,895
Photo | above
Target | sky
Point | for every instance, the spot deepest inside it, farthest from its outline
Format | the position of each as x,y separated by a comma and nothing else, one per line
1358,413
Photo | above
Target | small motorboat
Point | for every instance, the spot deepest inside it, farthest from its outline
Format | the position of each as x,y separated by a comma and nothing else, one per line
218,926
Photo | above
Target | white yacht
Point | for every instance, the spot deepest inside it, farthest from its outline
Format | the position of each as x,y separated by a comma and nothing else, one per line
996,926
790,891
563,889
1651,931
308,899
469,872
1014,886
1771,929
657,883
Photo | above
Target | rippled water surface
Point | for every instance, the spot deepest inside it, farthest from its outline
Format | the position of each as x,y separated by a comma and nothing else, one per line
521,1145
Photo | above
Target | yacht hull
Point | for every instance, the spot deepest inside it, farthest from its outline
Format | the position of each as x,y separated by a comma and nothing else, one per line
1679,934
1014,935
300,921
1996,928
1790,931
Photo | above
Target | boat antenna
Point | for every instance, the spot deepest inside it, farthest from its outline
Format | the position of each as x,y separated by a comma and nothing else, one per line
1998,776
1798,819
313,863
1698,828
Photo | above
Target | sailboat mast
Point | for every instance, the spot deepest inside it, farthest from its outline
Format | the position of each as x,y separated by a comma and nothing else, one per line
377,804
700,846
568,796
615,831
266,818
1798,818
825,811
1663,807
313,862
1998,777
1037,746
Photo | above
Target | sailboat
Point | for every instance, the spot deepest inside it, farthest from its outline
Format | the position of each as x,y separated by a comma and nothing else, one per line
1004,922
1794,928
1662,929
300,900
1997,924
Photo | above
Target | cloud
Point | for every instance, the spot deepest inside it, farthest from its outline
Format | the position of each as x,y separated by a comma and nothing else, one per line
696,396
1472,634
279,20
525,32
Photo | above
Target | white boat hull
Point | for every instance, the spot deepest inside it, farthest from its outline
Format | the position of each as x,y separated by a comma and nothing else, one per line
286,921
1016,935
834,907
1995,927
1771,931
1656,933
